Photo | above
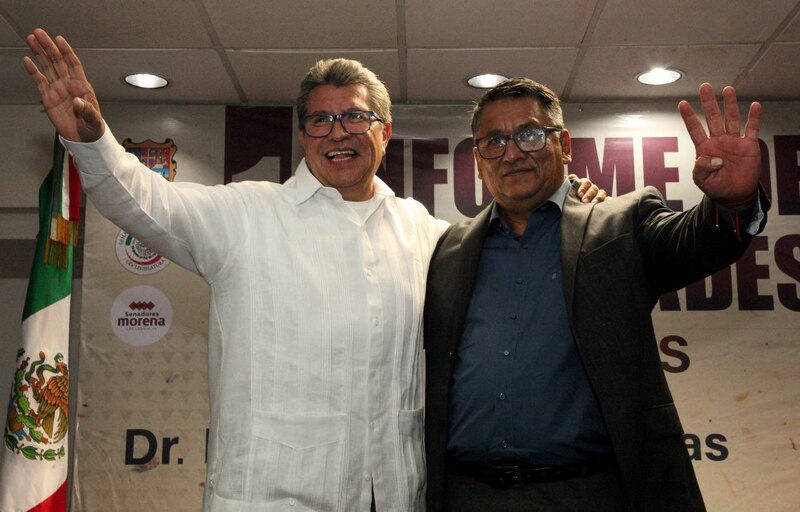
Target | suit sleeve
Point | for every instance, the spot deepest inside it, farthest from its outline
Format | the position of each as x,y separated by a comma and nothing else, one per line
682,247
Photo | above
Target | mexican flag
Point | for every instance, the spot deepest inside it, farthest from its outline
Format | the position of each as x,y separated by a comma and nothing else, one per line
33,458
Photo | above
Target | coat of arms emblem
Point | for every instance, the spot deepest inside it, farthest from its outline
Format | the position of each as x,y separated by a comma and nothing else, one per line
38,412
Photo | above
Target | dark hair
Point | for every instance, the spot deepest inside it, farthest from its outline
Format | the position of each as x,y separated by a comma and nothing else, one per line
342,72
512,88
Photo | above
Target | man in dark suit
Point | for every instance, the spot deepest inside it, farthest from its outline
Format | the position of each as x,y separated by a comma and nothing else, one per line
544,387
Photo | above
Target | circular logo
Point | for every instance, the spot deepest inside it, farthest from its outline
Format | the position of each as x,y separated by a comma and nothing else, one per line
136,257
141,315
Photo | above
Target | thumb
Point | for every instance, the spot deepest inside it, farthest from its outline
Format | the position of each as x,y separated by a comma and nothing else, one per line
90,122
704,166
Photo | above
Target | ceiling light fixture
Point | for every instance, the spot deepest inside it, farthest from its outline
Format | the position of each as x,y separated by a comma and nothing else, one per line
146,81
485,81
659,76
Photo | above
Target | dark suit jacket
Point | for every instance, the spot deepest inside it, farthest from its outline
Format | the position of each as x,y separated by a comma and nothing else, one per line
617,258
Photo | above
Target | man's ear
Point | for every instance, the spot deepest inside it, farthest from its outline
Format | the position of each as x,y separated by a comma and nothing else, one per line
479,161
387,134
566,146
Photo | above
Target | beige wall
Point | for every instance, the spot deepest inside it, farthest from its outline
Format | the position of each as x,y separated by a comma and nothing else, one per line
26,140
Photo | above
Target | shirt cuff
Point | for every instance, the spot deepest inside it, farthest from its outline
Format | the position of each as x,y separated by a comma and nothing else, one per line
98,157
753,216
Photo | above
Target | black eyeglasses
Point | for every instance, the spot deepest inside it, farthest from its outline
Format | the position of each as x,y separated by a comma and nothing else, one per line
528,140
354,122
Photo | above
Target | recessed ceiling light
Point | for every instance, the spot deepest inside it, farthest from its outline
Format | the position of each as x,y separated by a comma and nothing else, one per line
659,76
146,81
485,81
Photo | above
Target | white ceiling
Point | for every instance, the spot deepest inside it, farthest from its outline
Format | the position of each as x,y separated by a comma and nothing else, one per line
256,51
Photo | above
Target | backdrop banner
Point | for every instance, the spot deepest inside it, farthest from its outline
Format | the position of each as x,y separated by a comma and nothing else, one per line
730,345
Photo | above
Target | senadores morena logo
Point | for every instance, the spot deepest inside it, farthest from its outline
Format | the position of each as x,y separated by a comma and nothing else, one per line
136,257
141,315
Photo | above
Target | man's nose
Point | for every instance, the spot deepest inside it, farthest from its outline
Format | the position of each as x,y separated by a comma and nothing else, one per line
338,131
512,151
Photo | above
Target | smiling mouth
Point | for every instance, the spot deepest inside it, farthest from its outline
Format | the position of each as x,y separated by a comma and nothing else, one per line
340,155
515,172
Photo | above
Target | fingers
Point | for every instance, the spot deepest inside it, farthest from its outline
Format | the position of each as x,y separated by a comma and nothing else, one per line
54,54
600,197
693,125
753,125
718,125
708,102
30,67
587,191
73,63
39,54
731,110
49,56
590,194
583,184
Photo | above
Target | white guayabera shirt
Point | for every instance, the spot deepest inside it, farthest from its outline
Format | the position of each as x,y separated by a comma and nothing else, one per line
315,353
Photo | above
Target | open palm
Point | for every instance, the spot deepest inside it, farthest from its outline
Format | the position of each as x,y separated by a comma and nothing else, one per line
729,163
67,96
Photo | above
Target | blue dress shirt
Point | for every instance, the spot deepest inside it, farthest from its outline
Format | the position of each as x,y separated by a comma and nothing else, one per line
519,391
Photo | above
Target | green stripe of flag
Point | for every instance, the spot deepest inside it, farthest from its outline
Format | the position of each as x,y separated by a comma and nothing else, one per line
48,283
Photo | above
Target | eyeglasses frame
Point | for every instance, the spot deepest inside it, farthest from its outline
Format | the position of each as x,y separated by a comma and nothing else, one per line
338,117
512,136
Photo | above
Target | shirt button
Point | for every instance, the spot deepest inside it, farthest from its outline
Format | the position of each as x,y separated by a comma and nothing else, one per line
520,281
502,396
291,501
553,276
504,444
375,322
506,352
369,273
513,316
366,478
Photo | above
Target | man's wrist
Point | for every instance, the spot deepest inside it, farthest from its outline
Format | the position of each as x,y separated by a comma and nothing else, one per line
741,204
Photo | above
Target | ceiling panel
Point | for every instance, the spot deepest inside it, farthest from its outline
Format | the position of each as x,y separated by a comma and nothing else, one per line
196,76
256,51
437,74
792,31
114,23
608,72
16,87
274,77
689,21
776,75
287,24
7,35
492,24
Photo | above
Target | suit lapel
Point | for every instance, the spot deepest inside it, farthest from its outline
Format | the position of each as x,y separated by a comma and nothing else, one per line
574,217
466,257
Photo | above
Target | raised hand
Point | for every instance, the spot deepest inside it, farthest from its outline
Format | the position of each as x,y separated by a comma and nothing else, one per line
728,163
67,96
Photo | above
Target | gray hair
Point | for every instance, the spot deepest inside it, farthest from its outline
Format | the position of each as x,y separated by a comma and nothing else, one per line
513,88
342,72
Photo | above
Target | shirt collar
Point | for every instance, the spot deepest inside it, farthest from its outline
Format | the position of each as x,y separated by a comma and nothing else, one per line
306,185
558,198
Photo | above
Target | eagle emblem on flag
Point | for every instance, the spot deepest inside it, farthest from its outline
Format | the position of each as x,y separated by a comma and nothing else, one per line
38,411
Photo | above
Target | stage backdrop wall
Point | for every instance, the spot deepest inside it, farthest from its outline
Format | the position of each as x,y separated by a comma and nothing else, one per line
730,345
